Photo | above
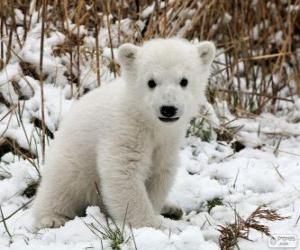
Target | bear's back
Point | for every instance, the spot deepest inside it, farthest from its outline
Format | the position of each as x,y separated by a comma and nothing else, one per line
88,121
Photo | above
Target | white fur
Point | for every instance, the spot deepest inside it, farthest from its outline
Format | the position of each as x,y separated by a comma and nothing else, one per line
112,137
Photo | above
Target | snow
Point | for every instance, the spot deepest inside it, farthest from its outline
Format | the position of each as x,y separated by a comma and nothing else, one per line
9,73
243,180
148,11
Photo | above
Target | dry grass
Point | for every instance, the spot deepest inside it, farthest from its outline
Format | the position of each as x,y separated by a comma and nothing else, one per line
240,229
259,42
258,69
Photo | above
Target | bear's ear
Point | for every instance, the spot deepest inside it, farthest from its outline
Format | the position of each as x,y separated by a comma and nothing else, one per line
206,51
127,54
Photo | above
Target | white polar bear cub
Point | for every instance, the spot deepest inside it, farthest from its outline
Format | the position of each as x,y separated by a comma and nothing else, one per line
125,136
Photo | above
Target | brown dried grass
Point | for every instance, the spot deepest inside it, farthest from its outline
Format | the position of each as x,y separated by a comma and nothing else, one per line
263,65
251,80
240,229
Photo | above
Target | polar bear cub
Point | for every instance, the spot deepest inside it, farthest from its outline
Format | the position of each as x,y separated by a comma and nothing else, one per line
124,137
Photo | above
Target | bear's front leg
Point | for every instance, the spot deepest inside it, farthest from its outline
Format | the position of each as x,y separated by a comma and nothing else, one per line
158,186
122,181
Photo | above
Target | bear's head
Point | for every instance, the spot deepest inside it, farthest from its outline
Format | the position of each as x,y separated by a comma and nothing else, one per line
168,77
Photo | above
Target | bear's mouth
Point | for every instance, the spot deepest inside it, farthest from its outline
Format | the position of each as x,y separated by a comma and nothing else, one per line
168,119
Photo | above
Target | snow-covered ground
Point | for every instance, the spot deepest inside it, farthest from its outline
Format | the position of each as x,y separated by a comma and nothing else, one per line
265,172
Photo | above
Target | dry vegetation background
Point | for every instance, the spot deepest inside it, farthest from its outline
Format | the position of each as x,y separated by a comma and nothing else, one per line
259,39
256,70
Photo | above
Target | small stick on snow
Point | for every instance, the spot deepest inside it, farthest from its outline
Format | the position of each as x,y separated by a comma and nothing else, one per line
5,225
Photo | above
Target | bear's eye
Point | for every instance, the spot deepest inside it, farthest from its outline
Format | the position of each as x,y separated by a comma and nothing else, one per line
151,84
184,82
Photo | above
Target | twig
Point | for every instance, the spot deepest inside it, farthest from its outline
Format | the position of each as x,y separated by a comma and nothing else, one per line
110,38
44,10
5,225
97,44
16,211
133,238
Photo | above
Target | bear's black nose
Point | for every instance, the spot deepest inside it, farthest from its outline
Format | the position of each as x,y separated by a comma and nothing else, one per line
168,111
